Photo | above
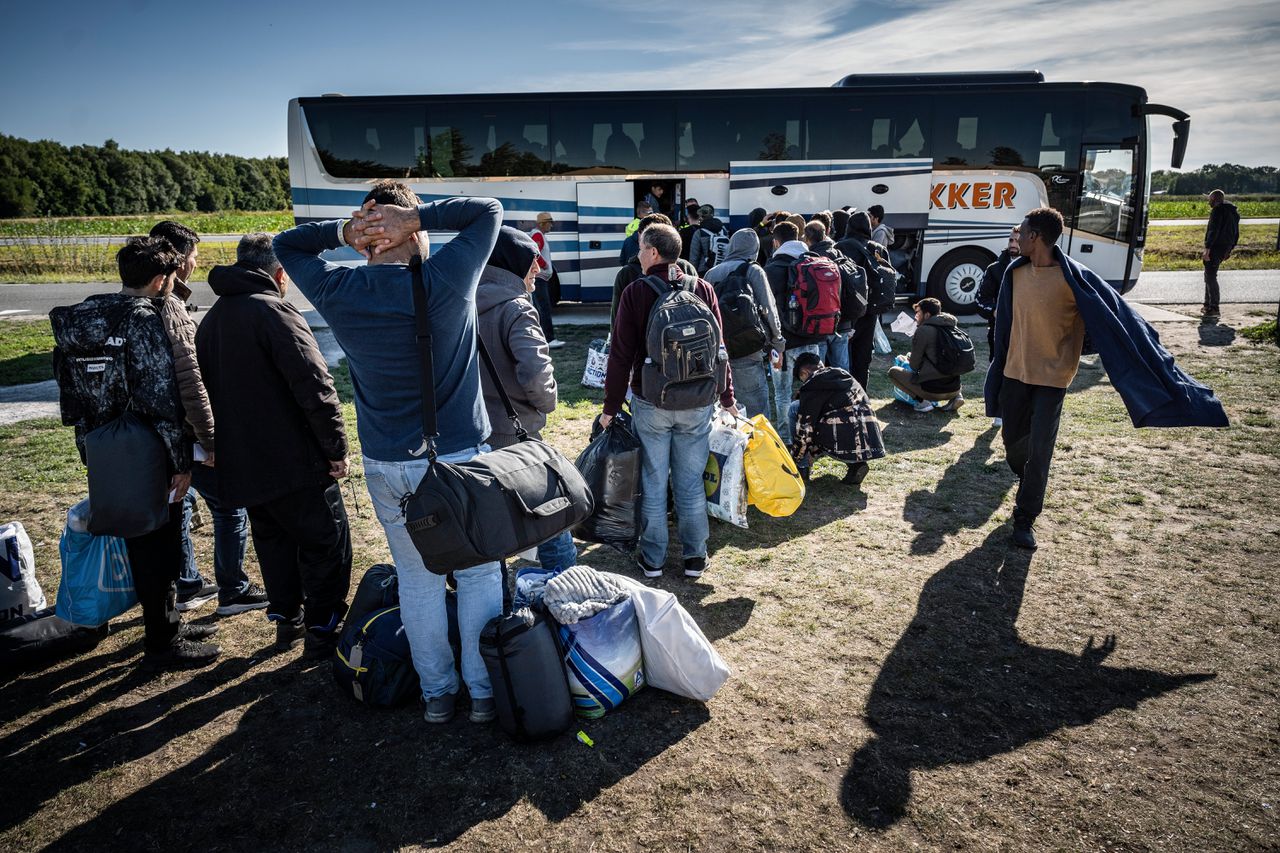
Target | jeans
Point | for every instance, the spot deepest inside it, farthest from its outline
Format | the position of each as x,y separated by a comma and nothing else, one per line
154,559
750,384
559,553
542,302
783,383
422,604
675,444
793,415
303,542
1031,414
230,538
838,350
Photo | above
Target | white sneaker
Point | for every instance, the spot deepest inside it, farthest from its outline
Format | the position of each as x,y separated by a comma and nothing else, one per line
556,344
924,406
997,422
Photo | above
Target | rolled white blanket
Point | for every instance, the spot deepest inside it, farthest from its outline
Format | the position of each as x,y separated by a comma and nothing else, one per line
579,593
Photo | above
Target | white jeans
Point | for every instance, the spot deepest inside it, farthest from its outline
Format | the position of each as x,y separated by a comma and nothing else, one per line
422,605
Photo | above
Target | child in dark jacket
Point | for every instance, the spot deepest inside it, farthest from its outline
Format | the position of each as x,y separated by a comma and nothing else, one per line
832,414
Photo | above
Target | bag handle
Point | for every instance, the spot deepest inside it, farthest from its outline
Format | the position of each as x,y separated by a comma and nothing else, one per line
426,370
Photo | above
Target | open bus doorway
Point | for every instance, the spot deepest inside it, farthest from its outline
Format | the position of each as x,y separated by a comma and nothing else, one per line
665,195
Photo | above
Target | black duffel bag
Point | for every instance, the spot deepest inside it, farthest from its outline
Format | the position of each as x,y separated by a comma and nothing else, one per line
128,477
497,504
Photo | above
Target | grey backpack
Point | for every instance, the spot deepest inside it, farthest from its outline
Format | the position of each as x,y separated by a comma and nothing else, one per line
686,363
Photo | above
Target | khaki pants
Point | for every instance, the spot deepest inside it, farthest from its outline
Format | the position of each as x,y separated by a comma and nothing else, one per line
902,377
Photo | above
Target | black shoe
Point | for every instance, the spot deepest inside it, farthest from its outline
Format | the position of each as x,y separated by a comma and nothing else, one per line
1024,535
253,598
193,598
317,645
695,566
648,570
289,632
187,631
183,653
804,474
856,474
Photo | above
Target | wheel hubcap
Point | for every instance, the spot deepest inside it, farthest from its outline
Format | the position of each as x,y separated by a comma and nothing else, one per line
962,283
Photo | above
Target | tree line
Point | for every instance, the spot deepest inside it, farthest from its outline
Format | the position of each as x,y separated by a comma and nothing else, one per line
1228,177
50,179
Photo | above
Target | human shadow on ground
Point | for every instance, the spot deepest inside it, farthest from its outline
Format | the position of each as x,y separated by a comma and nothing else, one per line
905,429
961,686
306,768
970,490
1214,334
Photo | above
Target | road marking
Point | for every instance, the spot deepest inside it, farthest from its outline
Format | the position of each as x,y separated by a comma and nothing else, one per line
9,311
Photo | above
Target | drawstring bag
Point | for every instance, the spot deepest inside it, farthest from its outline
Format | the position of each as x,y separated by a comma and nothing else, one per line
774,485
496,504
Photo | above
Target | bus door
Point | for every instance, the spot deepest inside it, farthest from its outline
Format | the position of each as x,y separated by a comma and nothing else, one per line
604,210
1105,213
808,186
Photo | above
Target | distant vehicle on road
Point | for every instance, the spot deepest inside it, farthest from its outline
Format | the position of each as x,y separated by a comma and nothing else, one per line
955,159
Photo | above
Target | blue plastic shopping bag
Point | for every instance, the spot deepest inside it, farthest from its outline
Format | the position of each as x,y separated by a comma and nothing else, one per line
97,584
898,394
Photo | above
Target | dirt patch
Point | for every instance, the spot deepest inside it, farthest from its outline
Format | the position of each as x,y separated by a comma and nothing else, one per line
901,676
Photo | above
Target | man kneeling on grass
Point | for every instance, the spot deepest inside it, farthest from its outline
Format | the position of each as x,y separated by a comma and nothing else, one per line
832,415
925,380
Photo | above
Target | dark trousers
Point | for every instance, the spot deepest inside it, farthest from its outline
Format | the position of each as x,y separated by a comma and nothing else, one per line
861,340
991,339
1211,282
542,302
304,550
155,560
1031,414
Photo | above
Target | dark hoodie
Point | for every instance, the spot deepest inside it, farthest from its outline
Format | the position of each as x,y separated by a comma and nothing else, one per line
278,416
857,244
835,417
125,333
1223,231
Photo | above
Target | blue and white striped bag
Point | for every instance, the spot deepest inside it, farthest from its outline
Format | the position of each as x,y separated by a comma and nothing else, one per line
603,659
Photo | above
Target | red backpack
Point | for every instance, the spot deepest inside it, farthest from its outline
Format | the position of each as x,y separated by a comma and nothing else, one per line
814,305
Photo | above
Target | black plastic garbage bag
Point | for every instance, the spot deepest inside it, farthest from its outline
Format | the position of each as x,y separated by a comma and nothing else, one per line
611,467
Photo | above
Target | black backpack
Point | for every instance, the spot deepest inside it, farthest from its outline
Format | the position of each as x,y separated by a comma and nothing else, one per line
853,289
744,327
954,351
882,287
685,367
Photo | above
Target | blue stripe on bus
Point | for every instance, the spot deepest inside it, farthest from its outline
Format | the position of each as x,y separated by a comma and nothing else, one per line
824,178
354,198
628,212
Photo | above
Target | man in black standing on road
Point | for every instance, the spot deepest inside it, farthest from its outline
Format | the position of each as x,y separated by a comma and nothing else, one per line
1220,239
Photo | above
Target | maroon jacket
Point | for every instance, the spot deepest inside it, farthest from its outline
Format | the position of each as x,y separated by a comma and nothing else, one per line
627,346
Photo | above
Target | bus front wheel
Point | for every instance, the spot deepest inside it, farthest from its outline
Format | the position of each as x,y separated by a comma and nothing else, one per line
955,278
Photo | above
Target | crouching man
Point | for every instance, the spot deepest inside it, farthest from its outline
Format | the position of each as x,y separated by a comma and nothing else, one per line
282,444
924,379
832,415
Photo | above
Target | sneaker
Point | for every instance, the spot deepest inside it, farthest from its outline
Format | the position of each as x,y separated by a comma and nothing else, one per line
555,344
856,474
483,710
1024,535
997,422
694,566
289,634
923,406
253,598
440,708
954,404
319,644
187,631
649,571
182,653
194,598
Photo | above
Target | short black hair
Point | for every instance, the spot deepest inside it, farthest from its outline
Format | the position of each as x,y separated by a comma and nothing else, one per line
652,219
179,236
785,232
1046,222
392,192
805,360
143,258
877,210
256,252
929,306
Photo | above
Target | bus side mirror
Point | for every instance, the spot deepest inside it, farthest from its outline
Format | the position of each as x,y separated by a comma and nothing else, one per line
1181,133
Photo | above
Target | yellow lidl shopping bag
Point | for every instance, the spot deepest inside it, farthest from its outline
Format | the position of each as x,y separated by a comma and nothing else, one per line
773,481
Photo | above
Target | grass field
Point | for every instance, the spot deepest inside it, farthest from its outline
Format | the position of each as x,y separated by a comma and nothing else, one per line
902,678
1179,247
26,351
228,222
1195,207
69,261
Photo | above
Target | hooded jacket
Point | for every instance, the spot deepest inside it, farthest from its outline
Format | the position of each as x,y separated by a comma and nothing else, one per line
513,336
744,247
126,333
1154,389
834,416
779,271
989,290
1223,231
700,254
181,330
278,414
924,347
882,234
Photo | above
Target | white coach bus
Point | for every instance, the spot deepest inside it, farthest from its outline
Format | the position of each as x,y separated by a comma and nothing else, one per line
955,160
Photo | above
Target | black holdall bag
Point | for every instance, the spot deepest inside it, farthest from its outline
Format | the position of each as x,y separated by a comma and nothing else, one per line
497,504
128,477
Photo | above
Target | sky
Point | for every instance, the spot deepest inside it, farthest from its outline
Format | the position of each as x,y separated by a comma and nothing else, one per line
218,77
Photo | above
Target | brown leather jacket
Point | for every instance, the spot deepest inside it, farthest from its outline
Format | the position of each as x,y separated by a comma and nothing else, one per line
181,330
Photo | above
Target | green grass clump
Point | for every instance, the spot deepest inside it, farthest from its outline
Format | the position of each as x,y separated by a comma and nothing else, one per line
26,351
1261,333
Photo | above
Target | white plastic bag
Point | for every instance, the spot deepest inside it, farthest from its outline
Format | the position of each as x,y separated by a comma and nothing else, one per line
678,657
904,324
725,479
880,341
597,363
20,592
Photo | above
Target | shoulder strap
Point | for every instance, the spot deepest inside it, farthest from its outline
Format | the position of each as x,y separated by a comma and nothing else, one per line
659,286
426,369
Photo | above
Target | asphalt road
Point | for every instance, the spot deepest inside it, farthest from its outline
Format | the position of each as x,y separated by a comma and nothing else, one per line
1154,288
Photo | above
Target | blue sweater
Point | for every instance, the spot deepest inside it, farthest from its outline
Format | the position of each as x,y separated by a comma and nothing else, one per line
370,310
1154,389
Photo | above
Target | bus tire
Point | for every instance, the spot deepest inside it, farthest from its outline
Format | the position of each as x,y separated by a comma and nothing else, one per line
955,278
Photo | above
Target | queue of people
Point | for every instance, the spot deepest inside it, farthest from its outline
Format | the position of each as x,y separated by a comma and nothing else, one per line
784,339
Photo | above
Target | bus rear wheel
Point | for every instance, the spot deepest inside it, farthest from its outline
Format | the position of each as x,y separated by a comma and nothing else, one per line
955,278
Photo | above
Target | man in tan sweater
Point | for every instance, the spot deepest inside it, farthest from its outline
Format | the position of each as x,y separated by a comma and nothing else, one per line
1045,341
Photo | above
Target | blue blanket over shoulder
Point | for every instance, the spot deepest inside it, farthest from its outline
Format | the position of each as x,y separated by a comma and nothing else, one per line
1154,389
